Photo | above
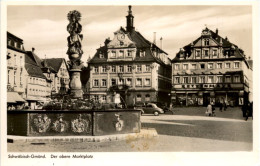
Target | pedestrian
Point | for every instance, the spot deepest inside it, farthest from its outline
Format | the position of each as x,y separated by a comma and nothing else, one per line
220,106
209,110
225,105
171,108
213,109
245,111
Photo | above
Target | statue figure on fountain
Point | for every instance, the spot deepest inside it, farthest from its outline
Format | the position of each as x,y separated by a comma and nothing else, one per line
75,52
74,40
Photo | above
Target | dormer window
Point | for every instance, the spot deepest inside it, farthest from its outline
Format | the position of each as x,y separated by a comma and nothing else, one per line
129,53
142,53
113,54
101,55
121,54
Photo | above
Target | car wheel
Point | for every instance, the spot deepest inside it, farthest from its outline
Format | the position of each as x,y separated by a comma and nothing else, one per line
156,113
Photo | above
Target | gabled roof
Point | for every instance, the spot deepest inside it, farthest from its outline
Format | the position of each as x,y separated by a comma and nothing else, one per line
226,44
54,63
35,58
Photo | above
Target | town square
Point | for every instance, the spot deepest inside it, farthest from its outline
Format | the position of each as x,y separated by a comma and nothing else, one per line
129,78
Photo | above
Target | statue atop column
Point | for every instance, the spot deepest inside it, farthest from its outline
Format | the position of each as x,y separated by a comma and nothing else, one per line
74,40
75,53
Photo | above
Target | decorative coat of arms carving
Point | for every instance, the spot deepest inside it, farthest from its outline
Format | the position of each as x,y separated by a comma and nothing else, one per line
80,125
42,123
119,123
60,125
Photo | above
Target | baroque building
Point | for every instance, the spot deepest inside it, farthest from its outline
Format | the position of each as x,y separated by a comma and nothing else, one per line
131,68
211,69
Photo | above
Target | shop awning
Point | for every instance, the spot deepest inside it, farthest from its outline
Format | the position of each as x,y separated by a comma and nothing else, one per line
14,97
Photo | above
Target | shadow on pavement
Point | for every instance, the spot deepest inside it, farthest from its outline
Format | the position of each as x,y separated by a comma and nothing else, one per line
218,130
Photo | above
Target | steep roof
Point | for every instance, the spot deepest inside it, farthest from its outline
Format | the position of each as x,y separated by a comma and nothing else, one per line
250,63
226,44
54,63
32,68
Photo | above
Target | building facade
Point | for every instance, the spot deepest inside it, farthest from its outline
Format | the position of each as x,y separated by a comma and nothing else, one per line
129,68
38,86
15,65
211,69
59,74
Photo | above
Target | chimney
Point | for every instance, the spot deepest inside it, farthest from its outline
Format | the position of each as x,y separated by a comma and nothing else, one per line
161,42
154,38
33,49
217,31
130,20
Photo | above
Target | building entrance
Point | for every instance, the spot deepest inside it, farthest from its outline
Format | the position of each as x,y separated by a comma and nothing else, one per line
206,99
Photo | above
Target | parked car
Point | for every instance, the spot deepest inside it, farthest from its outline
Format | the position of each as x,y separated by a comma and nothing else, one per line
149,108
161,105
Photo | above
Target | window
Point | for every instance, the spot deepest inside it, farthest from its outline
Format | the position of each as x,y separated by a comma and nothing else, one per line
104,98
206,52
185,67
177,80
113,69
96,98
104,82
210,79
129,68
96,69
8,77
236,64
15,60
121,54
139,68
228,79
237,79
210,65
147,82
101,55
120,81
121,68
206,42
142,53
129,53
193,66
194,80
202,66
104,69
113,82
147,97
129,81
147,68
95,83
139,82
177,66
215,52
113,54
197,53
185,80
227,65
139,97
14,77
219,65
202,79
219,79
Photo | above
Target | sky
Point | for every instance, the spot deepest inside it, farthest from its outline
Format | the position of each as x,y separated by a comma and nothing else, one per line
44,27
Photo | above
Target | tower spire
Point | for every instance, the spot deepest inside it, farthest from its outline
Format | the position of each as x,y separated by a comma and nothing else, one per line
130,20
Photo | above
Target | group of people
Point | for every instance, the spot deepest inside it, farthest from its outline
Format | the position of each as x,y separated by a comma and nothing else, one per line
211,108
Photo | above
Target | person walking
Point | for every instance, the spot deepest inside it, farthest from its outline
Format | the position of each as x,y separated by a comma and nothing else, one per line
209,110
245,110
225,105
171,108
220,106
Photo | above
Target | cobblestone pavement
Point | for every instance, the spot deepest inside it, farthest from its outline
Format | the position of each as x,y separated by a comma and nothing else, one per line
188,129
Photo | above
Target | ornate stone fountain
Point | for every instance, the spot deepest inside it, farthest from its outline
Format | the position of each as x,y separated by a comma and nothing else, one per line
75,52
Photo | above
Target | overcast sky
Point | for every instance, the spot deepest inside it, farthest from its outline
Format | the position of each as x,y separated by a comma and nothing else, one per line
44,27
